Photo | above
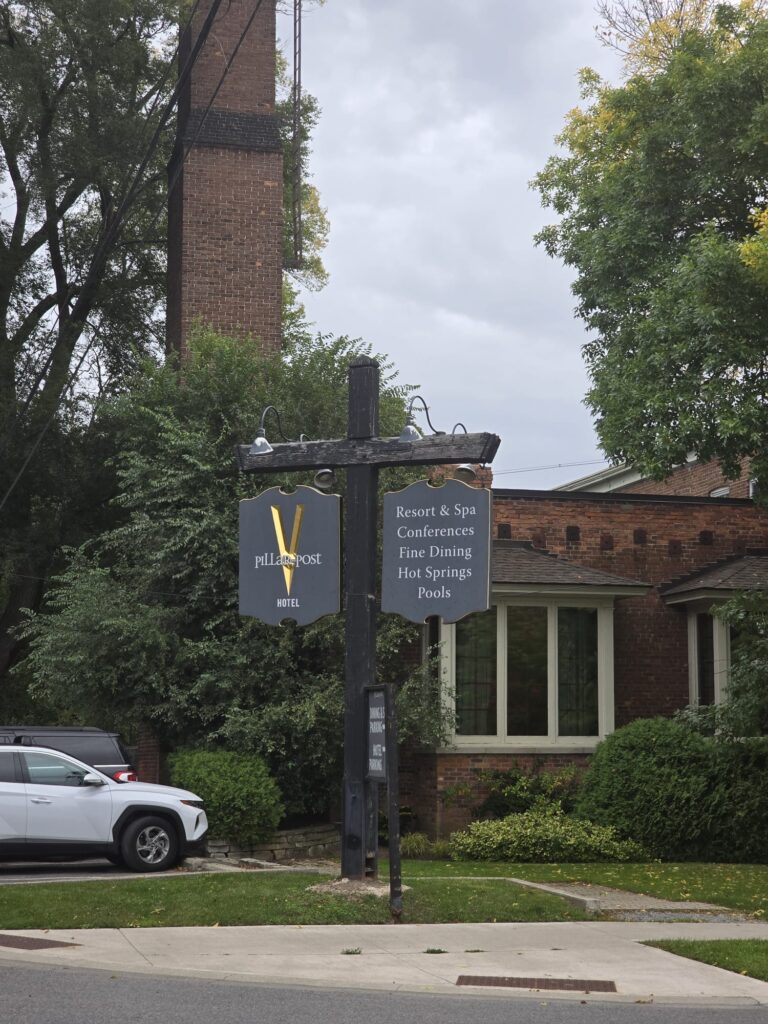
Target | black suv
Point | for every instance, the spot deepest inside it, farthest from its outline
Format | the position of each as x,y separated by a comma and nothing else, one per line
102,750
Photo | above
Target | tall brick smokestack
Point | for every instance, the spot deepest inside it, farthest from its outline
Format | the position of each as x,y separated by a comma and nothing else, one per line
225,205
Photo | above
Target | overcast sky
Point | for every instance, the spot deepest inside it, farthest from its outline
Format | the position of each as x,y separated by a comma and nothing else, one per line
435,116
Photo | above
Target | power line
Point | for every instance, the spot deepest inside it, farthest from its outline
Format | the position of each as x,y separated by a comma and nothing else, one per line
121,216
123,211
555,465
185,154
183,74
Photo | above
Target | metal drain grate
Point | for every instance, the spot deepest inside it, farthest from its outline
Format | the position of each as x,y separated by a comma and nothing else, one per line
27,942
552,984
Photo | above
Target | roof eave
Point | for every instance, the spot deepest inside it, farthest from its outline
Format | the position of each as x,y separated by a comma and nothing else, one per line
706,594
574,589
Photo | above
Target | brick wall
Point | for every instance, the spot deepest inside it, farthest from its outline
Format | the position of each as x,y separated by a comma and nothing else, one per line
225,206
695,478
653,540
148,755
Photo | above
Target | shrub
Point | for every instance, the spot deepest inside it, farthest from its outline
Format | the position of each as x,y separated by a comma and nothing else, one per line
652,781
418,844
242,800
682,795
740,802
514,790
415,844
441,849
543,836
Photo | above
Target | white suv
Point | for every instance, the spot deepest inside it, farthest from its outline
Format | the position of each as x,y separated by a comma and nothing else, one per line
53,806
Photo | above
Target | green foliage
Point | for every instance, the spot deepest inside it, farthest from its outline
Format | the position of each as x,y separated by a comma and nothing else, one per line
543,835
441,849
242,800
515,790
660,199
142,624
82,86
416,844
682,795
744,711
314,221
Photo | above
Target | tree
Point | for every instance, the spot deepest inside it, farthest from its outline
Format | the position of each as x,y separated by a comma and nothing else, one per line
661,193
82,260
81,89
142,626
647,32
307,270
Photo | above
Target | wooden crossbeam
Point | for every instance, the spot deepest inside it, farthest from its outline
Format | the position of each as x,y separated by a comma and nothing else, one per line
376,451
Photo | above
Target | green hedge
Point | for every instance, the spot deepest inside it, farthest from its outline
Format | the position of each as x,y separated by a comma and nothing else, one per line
543,836
514,790
682,795
242,800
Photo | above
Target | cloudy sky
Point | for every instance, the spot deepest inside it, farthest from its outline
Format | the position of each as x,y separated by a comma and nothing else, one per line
436,115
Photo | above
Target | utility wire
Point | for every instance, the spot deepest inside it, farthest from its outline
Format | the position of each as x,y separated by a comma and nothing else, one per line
124,210
555,465
148,152
230,60
41,435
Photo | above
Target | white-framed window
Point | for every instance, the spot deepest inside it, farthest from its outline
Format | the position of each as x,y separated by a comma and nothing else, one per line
533,673
709,656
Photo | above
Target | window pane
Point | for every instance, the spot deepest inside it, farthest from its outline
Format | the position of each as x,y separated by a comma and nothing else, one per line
7,768
476,675
49,770
577,672
706,653
526,671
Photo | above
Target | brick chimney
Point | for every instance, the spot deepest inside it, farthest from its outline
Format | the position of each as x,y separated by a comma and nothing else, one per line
225,217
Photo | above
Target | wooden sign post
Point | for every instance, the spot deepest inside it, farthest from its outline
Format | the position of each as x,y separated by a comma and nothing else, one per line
362,453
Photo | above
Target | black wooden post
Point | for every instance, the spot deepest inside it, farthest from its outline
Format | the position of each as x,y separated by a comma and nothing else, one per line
362,453
360,810
393,807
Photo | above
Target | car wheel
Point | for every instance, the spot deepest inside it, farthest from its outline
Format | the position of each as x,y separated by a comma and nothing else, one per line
116,859
149,844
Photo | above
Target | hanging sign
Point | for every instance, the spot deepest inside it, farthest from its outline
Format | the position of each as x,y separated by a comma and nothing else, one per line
377,734
437,551
290,555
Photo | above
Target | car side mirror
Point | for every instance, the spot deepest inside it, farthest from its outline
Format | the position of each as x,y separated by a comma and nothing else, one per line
91,779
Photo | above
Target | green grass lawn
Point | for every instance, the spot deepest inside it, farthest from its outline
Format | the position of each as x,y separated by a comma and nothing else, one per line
257,899
439,894
744,956
742,887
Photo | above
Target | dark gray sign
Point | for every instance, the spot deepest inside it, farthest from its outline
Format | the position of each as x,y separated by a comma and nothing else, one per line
289,555
437,544
377,735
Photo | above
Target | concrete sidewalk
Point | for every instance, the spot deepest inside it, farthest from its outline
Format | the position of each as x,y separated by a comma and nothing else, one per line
396,958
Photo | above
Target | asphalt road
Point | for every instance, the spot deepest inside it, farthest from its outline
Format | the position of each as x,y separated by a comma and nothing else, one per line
62,995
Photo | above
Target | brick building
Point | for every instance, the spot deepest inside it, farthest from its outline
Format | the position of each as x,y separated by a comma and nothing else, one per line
693,478
601,614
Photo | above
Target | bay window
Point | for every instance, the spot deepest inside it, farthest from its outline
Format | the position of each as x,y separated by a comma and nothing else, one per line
531,673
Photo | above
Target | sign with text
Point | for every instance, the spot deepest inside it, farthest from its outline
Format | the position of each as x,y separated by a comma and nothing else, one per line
290,555
377,735
437,551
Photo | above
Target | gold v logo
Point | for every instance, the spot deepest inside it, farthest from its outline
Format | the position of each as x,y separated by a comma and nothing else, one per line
288,554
